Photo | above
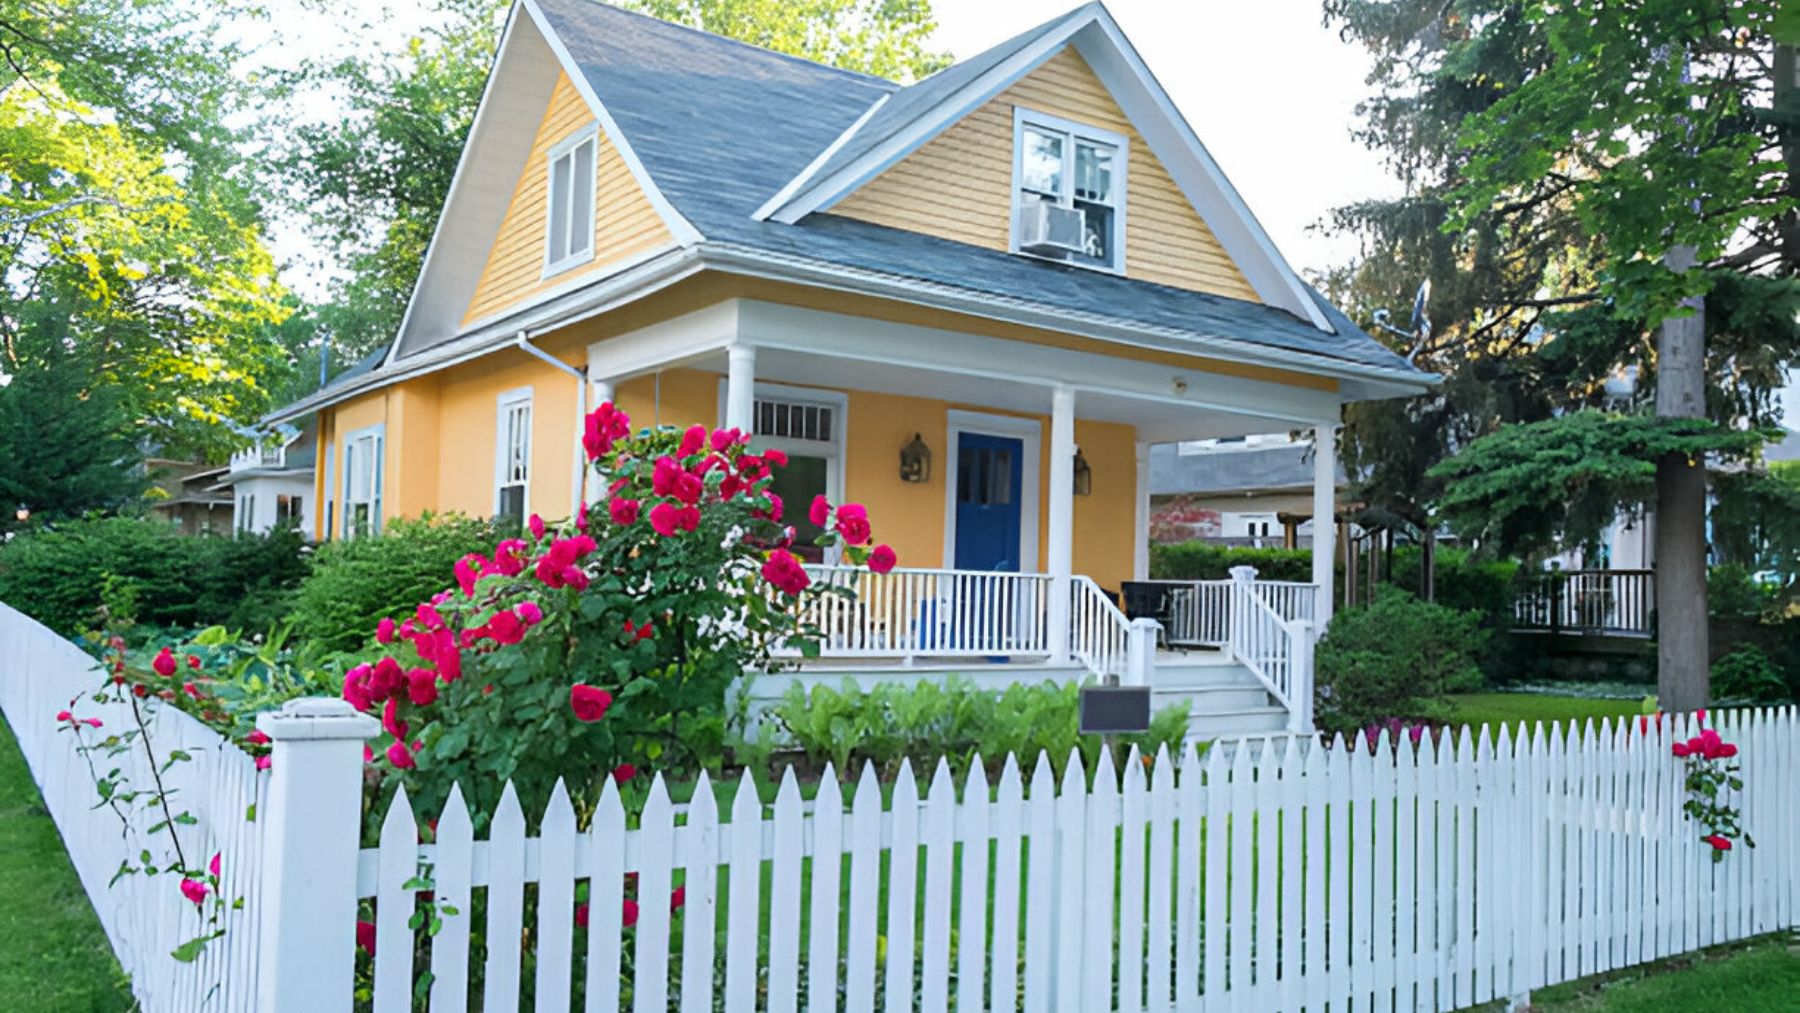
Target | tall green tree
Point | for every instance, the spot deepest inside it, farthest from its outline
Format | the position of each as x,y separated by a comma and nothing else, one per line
1581,143
65,436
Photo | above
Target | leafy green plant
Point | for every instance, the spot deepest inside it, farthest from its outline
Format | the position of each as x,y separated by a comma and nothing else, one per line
1746,674
356,583
927,721
56,574
1397,658
1730,592
1206,561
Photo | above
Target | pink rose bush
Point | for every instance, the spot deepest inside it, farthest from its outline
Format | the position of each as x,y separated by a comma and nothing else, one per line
1712,779
598,648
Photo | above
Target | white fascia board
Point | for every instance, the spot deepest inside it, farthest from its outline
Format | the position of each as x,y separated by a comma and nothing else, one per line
761,264
483,112
684,231
793,328
596,297
664,344
822,194
1178,148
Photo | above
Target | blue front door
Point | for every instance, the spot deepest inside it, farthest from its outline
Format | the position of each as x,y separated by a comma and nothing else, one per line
989,471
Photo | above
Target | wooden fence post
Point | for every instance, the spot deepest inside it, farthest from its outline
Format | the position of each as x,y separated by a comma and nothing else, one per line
306,954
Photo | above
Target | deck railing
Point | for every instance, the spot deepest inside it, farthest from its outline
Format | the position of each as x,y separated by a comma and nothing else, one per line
1199,611
1618,603
915,613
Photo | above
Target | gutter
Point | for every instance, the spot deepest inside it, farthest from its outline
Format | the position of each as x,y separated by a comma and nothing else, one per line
523,344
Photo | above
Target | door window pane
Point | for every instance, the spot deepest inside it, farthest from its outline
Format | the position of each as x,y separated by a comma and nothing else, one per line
797,484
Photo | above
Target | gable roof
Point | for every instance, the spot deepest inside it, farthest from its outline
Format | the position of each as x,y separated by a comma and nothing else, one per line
714,130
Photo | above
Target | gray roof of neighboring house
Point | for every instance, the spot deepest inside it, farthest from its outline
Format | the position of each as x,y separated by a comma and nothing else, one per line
1231,469
721,126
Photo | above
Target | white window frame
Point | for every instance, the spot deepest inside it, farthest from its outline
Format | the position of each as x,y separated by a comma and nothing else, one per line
376,438
565,148
1072,131
504,405
831,450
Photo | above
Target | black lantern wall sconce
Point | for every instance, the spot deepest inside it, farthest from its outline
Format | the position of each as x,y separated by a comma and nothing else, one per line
915,461
1084,475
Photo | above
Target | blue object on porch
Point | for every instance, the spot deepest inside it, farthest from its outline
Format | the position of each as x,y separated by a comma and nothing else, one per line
989,483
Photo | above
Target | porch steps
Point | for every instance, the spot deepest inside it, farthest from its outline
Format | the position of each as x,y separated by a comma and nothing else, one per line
1224,700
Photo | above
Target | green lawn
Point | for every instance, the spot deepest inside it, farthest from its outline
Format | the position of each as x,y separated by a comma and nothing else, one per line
1759,977
1512,708
53,955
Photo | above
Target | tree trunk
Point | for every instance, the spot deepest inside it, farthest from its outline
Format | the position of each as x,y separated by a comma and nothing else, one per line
1682,682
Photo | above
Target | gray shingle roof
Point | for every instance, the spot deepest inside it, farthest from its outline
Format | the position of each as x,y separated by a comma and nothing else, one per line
721,126
1239,469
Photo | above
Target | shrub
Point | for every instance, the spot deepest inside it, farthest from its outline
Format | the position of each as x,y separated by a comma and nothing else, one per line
927,721
356,583
1746,674
1731,592
1206,561
56,575
1397,658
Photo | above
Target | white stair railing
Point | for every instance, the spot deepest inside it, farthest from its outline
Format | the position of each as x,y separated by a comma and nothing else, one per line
1277,649
1104,640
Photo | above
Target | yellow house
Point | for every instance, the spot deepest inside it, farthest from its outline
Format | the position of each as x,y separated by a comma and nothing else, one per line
972,303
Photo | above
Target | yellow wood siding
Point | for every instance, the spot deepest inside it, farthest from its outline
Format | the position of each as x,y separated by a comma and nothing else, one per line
959,184
625,222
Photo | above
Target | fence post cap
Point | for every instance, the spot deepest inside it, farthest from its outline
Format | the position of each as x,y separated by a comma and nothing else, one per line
317,717
1244,574
1145,623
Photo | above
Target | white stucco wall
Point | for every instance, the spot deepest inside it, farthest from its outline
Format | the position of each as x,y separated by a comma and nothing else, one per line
262,495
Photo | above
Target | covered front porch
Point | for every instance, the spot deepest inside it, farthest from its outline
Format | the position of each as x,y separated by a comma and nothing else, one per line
1011,475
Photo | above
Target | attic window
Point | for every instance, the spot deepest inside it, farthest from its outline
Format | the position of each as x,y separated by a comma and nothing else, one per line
1076,173
570,232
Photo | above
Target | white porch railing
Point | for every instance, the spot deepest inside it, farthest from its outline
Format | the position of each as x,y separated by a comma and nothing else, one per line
1199,611
1276,648
916,613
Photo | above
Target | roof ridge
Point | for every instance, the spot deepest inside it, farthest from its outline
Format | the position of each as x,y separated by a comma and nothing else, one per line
765,50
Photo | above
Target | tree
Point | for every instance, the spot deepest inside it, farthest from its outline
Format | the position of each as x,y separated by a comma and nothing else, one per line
881,37
130,229
65,438
1580,149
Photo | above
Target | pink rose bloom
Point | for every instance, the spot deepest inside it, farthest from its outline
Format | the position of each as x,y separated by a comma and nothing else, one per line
262,763
623,511
662,476
213,866
384,631
536,526
390,719
365,937
505,627
194,890
663,518
624,772
785,572
193,661
509,557
589,703
774,511
421,687
257,737
819,512
91,722
882,559
164,663
775,458
722,438
692,441
853,523
529,613
400,756
64,716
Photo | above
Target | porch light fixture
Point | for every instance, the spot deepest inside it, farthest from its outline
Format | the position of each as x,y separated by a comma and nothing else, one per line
915,461
1084,475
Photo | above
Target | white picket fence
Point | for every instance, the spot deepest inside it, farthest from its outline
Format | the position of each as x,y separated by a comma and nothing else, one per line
1427,876
145,917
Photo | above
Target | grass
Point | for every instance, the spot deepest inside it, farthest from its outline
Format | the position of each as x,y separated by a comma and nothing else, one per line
53,954
1512,708
1762,976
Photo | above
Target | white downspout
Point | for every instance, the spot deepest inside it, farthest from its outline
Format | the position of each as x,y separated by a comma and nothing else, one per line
581,392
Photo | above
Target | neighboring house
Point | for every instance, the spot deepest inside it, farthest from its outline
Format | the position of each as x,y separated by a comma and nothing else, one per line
1251,491
271,482
182,494
1028,262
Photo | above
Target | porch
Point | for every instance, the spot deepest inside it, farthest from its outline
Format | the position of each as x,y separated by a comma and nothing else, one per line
1028,510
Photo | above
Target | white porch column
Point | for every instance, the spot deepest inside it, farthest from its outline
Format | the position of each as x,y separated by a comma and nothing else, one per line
1324,544
740,387
1140,550
1061,562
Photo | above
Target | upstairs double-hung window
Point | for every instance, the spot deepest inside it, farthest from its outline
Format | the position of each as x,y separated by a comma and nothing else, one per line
569,233
1072,166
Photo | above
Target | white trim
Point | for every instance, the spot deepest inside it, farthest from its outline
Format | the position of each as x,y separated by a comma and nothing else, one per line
377,436
456,178
821,194
1074,132
781,197
504,403
833,450
684,231
589,135
1030,433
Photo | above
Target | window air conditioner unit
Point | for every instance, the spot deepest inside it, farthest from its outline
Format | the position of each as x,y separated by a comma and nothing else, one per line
1051,228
